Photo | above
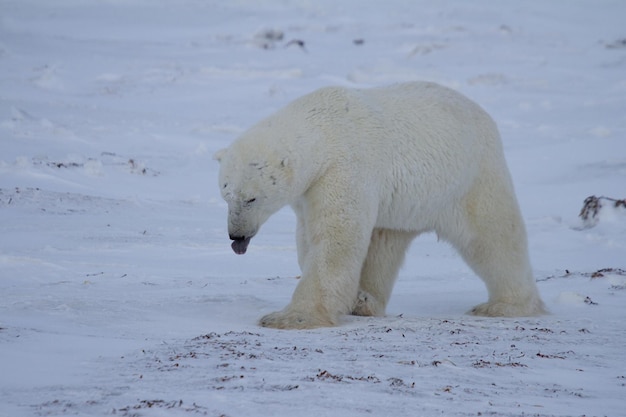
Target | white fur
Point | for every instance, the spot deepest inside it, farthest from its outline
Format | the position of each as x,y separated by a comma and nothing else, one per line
366,171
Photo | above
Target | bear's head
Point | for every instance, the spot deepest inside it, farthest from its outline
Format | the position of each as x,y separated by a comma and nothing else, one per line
255,183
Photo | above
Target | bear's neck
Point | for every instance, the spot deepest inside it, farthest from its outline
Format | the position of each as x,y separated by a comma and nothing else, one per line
305,161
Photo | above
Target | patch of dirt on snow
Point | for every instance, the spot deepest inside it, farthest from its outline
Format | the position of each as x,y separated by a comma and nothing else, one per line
486,364
53,202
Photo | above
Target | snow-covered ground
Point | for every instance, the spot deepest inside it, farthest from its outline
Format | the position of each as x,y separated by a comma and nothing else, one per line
120,295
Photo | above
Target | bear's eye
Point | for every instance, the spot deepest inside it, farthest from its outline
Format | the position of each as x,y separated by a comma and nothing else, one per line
252,200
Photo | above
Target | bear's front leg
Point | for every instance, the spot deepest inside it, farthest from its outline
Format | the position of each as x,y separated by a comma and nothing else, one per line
336,249
380,270
327,290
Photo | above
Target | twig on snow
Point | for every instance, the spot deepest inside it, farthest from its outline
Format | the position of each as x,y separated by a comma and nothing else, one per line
592,206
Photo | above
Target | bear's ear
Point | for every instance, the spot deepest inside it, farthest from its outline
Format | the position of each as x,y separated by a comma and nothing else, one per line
219,155
284,163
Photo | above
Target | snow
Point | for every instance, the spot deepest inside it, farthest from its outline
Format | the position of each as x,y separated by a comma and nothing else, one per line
120,294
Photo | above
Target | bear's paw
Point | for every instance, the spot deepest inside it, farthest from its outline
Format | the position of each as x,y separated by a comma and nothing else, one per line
367,305
502,309
294,319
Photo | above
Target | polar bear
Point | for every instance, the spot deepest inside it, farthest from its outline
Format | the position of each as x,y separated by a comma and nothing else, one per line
366,171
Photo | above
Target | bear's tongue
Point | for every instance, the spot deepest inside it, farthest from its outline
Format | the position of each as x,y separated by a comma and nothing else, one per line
240,245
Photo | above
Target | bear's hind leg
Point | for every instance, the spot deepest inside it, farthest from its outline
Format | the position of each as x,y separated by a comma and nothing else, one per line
492,240
384,258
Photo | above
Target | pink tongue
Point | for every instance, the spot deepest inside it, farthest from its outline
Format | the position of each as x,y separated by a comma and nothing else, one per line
240,245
